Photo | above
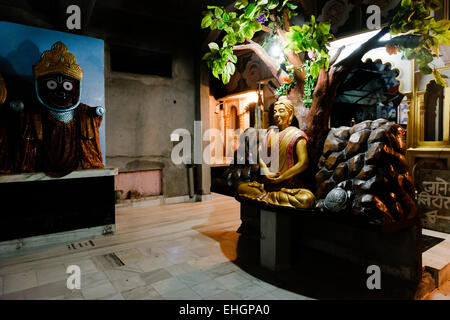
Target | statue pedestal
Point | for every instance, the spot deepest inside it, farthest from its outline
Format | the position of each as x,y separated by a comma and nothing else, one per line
285,231
39,211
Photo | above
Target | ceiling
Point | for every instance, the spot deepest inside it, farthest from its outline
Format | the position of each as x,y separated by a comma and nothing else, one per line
108,15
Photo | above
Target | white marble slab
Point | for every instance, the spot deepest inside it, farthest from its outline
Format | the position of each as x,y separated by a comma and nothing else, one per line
40,176
19,247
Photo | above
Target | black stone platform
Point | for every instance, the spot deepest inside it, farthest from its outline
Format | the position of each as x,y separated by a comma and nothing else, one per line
34,204
278,234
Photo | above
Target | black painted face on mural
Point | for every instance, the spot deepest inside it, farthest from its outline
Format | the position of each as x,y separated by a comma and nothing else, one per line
59,91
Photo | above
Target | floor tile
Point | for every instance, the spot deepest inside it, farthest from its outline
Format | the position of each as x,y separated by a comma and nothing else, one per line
288,295
155,276
100,291
248,290
92,280
128,283
232,280
131,256
51,274
118,273
17,295
266,296
269,287
208,289
168,285
221,269
114,296
206,250
142,293
181,255
182,294
202,262
225,295
19,281
152,251
180,268
151,264
194,278
70,295
47,291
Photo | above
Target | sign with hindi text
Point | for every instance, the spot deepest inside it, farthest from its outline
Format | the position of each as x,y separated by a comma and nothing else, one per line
433,188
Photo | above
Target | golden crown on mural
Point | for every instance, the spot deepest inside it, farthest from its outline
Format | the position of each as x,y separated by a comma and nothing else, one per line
58,60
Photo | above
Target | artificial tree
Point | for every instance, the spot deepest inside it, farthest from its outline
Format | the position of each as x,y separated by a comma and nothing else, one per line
307,74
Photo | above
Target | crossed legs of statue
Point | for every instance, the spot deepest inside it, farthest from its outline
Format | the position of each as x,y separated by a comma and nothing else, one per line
296,198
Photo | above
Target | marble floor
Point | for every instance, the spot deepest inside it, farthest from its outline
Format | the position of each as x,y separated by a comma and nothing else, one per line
174,252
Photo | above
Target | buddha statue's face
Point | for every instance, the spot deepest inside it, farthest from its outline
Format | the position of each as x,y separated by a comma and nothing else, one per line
282,116
59,91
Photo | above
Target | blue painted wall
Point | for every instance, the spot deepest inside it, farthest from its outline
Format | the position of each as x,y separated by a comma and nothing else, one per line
21,47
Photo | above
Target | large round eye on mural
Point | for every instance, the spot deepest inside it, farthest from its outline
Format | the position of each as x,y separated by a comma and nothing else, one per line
52,84
67,85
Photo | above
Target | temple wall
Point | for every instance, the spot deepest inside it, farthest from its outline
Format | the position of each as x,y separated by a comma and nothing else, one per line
143,110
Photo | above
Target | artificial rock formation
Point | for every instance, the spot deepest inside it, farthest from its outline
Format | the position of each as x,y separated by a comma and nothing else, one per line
368,161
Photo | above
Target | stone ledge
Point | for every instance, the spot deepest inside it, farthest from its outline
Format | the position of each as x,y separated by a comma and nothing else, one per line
41,176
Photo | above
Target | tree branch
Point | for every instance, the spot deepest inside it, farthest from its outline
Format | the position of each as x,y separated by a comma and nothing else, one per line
267,30
264,56
286,23
291,56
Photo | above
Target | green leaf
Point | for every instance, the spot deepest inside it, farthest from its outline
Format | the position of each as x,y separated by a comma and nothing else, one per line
206,21
226,78
249,11
406,3
214,72
262,2
206,56
292,6
248,30
439,78
218,12
230,68
324,27
256,26
315,70
425,69
241,4
443,38
213,46
273,4
441,26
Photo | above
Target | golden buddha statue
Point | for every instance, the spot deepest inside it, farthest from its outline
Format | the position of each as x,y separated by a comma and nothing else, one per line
289,144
